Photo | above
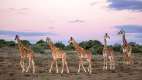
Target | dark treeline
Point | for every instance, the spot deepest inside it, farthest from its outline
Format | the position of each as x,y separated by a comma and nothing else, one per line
93,45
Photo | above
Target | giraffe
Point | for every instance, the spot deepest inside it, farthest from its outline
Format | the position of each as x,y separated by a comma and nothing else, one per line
126,48
83,55
25,54
57,54
108,55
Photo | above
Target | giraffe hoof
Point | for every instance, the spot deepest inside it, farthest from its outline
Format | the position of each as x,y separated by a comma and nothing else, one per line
68,72
90,72
49,72
61,72
23,71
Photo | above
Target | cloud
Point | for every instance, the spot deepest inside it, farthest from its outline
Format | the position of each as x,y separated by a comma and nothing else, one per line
13,33
77,21
130,28
17,10
134,5
93,3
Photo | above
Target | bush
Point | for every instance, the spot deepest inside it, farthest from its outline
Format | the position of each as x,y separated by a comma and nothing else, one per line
60,45
2,43
117,47
11,43
26,42
38,49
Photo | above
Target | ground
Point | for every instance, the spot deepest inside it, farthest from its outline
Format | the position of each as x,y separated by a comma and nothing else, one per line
10,68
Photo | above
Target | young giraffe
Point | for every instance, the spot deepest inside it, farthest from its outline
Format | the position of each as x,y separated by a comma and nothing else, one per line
126,48
108,55
25,54
56,55
83,55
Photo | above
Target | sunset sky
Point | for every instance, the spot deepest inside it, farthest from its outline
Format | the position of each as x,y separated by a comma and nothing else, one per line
59,19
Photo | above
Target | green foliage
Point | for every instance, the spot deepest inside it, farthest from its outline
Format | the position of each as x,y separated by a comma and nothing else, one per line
60,45
2,43
117,47
40,46
136,48
93,45
69,47
26,42
38,49
11,43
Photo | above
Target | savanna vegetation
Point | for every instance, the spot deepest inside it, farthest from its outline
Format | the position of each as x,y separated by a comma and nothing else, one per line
93,45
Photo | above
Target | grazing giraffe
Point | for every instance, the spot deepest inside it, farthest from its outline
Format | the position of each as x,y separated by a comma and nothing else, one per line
83,55
108,54
25,54
126,48
56,55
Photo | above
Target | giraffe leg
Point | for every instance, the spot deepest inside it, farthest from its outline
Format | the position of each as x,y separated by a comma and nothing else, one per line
113,64
51,66
29,65
79,67
22,65
33,65
110,62
56,67
63,62
67,67
105,63
90,67
83,66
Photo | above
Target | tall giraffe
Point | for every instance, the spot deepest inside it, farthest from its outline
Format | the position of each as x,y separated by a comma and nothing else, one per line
83,55
108,55
25,54
126,48
56,55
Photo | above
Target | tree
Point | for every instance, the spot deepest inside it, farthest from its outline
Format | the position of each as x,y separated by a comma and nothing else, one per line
2,43
117,47
93,45
10,43
41,44
26,42
60,45
133,43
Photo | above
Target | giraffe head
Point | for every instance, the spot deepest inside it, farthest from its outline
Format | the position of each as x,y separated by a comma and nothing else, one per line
121,32
106,36
16,37
48,40
71,40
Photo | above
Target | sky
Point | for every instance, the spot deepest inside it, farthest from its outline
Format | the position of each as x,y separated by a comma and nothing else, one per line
34,20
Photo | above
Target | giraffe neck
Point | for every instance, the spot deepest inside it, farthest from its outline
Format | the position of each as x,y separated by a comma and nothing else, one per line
51,46
105,43
19,43
76,45
124,40
78,48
